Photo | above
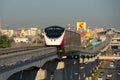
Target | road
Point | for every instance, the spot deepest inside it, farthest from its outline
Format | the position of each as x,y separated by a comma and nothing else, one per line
109,71
111,68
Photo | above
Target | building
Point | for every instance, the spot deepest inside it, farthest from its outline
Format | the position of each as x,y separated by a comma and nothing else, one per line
32,34
9,32
21,40
27,32
98,30
115,43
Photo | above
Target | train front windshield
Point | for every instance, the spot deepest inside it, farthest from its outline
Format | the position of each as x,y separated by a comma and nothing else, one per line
54,31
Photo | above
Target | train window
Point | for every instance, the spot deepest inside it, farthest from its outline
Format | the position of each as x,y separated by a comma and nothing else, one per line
54,31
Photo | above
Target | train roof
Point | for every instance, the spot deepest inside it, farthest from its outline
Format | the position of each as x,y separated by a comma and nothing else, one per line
54,27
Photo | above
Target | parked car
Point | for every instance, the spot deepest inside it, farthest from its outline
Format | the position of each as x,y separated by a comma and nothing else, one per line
101,73
109,75
99,78
118,73
111,64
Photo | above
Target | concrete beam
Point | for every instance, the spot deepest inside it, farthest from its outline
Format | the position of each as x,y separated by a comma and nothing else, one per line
7,72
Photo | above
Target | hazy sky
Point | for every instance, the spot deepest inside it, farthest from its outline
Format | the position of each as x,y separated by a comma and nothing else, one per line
27,13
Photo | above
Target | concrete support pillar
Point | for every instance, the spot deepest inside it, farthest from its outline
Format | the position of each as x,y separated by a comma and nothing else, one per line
85,60
90,60
81,60
93,59
90,78
60,65
41,74
86,78
96,57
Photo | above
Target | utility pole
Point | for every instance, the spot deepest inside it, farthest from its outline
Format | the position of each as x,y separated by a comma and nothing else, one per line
0,27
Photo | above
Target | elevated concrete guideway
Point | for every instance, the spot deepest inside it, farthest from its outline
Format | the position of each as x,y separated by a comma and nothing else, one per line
15,63
109,57
36,59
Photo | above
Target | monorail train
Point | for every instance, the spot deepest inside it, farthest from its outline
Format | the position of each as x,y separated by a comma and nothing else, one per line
64,40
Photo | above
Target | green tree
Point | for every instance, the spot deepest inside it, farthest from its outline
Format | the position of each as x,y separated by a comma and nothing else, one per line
4,41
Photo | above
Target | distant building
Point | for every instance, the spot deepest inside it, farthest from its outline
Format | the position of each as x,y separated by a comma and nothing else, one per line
9,33
115,43
32,34
27,32
20,40
102,38
97,30
20,33
33,31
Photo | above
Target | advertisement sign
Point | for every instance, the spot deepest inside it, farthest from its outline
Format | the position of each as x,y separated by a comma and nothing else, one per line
81,25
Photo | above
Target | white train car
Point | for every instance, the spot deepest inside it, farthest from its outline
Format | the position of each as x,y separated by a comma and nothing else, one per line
54,36
65,41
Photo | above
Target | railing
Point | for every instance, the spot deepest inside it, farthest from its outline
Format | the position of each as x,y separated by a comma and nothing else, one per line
18,49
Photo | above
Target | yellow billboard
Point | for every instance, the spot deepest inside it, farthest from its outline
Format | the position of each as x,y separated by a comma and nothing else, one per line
89,34
81,25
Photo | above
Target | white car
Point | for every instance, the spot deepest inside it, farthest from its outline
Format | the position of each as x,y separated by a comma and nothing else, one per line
111,64
109,75
99,78
118,73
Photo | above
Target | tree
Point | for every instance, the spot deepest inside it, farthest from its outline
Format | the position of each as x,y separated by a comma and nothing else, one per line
4,41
